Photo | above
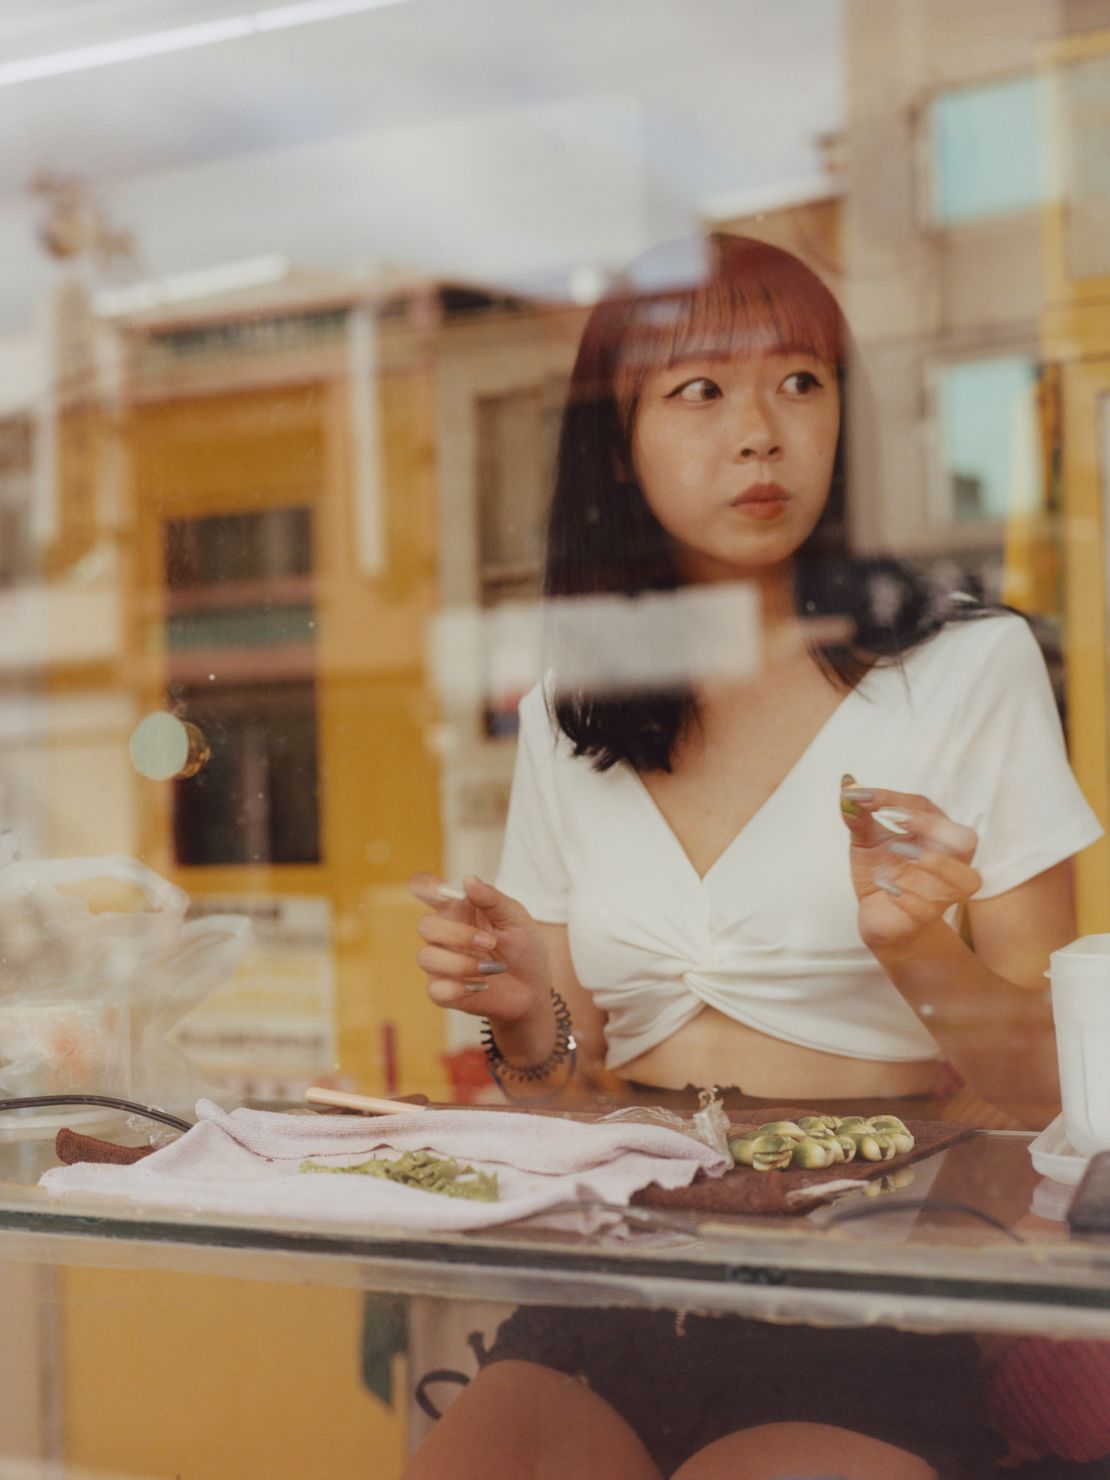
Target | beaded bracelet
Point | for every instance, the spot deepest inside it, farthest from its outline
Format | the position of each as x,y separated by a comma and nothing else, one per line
565,1049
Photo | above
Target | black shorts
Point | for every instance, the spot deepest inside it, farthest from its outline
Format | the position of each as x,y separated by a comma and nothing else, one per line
682,1382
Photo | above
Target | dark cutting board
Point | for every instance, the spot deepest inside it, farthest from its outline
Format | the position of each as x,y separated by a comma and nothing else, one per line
743,1191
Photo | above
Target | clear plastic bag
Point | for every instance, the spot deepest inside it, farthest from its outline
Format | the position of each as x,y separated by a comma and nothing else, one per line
97,966
709,1123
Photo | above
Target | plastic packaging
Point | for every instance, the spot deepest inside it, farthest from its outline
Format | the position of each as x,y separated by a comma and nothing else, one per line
97,966
1080,975
1054,1156
709,1123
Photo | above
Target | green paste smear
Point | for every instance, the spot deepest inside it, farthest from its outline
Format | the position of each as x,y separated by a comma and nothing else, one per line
422,1169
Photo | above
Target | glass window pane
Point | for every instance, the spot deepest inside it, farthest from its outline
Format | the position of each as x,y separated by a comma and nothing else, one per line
1085,92
990,437
988,151
433,427
510,432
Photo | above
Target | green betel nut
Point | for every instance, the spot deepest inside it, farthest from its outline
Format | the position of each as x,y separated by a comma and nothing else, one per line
771,1152
816,1141
786,1128
816,1126
811,1154
889,1123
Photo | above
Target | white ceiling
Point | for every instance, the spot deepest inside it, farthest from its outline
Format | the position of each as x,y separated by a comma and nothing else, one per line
508,141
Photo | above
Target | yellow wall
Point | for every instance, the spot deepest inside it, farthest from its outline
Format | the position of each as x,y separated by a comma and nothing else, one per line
379,797
1075,331
1085,384
187,1377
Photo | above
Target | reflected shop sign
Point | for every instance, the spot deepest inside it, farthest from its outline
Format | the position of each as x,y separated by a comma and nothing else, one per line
269,1030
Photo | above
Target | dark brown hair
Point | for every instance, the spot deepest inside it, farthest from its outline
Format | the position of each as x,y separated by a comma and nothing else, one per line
603,539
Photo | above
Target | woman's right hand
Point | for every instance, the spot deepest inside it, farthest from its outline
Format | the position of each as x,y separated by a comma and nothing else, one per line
487,927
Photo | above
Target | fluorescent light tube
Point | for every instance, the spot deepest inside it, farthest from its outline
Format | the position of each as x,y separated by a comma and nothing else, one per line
182,38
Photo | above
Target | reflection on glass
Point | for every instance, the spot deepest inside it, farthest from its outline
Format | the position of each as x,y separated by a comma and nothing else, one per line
207,557
256,801
241,650
1085,88
16,477
517,433
988,151
990,437
163,746
280,398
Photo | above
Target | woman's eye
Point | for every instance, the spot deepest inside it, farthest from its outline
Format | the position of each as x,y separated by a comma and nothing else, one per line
701,389
801,383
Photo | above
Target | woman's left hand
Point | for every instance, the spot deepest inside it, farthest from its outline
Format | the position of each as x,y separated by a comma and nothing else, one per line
905,881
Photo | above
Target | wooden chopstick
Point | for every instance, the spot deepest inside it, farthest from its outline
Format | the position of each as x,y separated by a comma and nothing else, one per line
363,1104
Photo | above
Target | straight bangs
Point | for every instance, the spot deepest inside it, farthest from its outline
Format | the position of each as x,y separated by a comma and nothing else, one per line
754,303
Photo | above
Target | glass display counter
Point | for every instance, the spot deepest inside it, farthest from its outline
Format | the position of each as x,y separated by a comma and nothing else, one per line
976,1243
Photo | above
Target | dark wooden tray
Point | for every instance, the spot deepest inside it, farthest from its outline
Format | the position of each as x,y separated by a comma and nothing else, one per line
746,1192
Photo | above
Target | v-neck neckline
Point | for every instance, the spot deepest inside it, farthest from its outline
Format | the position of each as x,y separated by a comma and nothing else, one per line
703,879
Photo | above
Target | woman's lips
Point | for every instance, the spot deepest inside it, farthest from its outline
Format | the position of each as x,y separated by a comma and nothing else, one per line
762,501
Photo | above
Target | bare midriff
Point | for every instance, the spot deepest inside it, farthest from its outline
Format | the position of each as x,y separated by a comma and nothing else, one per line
730,1053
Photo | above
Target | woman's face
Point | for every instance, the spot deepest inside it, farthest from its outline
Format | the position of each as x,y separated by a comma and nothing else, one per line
735,456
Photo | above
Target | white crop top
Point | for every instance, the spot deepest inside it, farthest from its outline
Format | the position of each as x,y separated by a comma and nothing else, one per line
769,936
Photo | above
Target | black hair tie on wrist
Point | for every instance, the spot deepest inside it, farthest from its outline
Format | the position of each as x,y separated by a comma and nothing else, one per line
565,1050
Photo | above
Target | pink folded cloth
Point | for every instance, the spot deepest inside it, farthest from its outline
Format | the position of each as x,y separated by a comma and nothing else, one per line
247,1163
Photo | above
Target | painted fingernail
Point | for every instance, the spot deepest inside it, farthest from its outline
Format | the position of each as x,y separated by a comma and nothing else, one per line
906,850
858,793
484,942
476,986
448,891
850,808
888,886
492,968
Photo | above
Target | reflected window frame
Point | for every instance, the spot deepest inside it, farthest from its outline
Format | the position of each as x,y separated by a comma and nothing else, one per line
940,206
942,522
1065,280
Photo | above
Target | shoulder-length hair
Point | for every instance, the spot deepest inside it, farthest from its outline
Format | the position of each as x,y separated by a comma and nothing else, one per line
603,539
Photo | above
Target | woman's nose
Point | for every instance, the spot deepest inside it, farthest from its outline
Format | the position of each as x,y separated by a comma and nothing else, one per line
756,436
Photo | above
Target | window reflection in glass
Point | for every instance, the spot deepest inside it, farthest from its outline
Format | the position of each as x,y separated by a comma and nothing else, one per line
989,437
989,151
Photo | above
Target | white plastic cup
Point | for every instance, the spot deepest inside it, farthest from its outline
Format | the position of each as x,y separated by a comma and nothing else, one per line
1080,975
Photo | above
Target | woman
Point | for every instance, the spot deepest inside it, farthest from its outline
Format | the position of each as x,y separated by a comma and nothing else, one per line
691,873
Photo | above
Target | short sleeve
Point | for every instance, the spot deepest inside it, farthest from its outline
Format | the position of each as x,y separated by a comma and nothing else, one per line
532,868
1017,787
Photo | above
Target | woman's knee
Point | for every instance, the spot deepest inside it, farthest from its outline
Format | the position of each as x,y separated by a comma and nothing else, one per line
803,1451
523,1419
